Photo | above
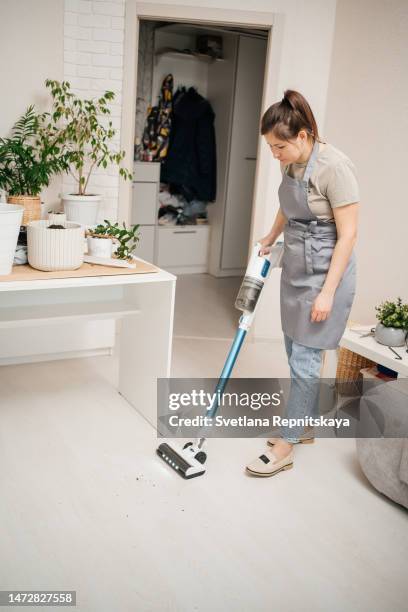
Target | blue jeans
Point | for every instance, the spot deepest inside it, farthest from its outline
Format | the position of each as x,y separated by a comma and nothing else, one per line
305,363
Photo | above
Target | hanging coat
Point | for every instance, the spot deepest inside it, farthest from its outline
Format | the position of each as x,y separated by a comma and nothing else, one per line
191,159
158,123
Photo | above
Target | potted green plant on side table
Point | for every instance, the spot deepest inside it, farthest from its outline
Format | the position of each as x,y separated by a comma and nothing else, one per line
103,238
85,140
29,158
392,328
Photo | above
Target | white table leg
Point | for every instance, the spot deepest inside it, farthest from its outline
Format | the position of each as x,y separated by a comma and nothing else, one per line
329,367
146,344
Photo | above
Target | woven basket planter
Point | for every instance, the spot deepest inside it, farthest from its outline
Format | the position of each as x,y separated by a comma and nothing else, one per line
32,207
348,375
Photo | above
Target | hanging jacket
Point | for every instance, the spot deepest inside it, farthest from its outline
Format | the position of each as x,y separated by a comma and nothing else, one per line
191,159
158,123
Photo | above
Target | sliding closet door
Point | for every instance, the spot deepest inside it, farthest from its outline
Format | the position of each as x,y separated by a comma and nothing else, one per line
243,149
221,85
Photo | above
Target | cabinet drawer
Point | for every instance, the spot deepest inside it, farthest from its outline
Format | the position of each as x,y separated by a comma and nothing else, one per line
145,246
148,172
144,203
182,246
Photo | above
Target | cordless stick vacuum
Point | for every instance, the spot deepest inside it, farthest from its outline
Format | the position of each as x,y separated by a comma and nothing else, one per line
189,460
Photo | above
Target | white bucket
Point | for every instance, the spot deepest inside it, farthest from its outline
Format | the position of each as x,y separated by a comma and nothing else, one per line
81,209
11,216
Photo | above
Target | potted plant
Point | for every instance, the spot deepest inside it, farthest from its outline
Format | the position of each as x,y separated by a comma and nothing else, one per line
393,323
85,136
58,217
100,242
126,239
28,160
55,247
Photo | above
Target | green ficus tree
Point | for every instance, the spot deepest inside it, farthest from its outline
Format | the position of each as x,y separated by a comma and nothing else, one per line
83,133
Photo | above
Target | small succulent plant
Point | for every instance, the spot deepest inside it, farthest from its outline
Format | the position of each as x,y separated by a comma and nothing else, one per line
393,314
126,237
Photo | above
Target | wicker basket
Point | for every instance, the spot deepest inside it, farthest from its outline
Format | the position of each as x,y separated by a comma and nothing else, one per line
32,207
348,375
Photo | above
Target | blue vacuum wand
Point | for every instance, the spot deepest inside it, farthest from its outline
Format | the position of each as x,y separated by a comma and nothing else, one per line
189,460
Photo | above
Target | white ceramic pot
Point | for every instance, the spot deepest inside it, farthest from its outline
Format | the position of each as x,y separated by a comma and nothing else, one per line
390,336
11,216
81,209
57,218
100,247
55,249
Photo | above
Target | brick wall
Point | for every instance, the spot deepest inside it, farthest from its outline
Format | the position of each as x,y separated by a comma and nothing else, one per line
93,63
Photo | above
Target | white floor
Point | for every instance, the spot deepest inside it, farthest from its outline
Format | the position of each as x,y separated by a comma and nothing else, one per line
86,505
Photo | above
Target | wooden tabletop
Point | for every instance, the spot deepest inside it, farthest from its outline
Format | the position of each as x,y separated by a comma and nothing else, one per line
27,273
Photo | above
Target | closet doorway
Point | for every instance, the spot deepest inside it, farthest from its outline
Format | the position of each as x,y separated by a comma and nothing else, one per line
204,225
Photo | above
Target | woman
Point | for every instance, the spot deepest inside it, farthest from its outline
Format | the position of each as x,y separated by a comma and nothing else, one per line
318,212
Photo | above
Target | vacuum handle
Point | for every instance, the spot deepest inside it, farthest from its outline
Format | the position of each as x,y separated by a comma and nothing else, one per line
275,253
257,248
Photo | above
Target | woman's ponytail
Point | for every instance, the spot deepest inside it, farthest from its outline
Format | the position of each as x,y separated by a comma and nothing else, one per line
286,118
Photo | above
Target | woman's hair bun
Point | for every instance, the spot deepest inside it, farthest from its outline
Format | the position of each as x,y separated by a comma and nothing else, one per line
287,98
287,117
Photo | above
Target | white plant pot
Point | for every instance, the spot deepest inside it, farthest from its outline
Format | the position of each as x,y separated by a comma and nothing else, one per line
57,218
390,336
100,247
11,216
81,209
55,249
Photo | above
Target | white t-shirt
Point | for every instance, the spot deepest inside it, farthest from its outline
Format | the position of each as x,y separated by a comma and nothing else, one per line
333,181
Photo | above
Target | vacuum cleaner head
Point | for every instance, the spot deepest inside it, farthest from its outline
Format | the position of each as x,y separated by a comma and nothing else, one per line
187,461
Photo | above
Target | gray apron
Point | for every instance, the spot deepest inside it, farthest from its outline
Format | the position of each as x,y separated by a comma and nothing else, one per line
308,248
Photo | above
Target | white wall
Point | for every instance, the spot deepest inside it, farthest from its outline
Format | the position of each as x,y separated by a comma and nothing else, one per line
31,50
77,40
367,117
93,63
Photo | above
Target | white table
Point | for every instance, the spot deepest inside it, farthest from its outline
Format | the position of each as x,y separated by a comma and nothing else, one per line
57,318
367,347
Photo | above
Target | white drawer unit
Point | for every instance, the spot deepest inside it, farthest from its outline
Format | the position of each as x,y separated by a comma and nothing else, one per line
183,249
144,203
145,246
146,172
